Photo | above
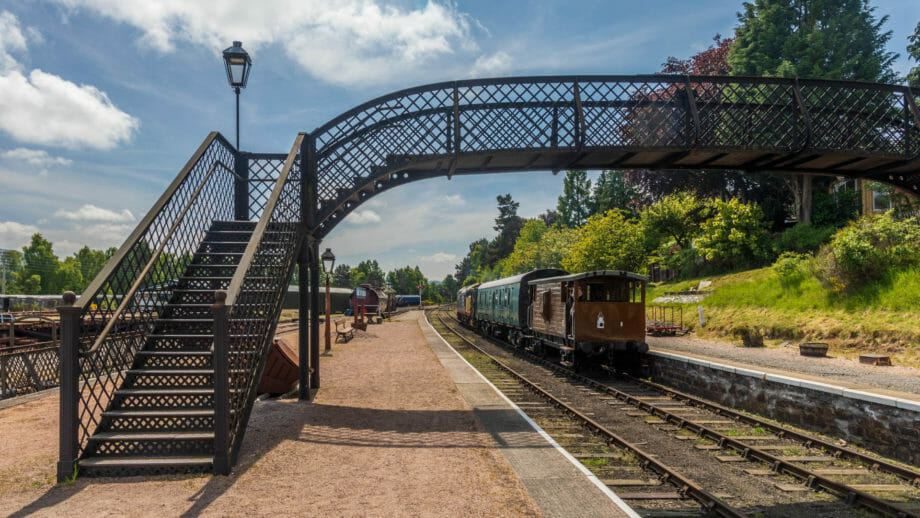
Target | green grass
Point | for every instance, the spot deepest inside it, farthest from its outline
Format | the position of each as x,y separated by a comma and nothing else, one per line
881,317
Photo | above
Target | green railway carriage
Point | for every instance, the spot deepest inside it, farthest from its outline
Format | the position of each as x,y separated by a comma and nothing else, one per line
502,305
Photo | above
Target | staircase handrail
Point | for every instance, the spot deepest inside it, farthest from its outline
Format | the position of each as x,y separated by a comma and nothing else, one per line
252,247
126,299
111,266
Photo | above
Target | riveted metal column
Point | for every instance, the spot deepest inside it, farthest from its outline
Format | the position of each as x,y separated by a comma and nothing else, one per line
303,341
241,187
314,312
220,360
308,267
70,383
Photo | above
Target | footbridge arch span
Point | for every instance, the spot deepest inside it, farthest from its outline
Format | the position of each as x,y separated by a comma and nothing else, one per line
853,129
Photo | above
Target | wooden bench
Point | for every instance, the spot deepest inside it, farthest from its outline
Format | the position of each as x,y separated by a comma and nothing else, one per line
343,330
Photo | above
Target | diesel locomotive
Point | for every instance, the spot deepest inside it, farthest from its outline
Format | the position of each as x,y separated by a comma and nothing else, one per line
585,318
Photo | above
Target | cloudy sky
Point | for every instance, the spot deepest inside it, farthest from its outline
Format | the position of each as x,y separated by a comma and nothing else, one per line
103,101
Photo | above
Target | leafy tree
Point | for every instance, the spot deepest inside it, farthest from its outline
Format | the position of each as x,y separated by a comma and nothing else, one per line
341,276
710,62
462,270
677,217
832,39
549,217
734,236
31,284
70,275
406,279
829,39
11,262
612,191
367,272
91,262
448,288
40,261
574,205
607,242
913,53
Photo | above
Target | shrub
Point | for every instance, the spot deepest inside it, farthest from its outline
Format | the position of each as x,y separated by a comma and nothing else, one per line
791,269
866,250
735,236
803,237
834,210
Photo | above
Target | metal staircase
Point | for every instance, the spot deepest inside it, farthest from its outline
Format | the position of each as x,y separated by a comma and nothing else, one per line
161,357
162,416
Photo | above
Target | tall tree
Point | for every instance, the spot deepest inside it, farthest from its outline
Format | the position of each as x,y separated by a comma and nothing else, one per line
368,272
92,261
828,39
508,225
10,266
612,191
709,62
913,53
341,276
40,261
574,205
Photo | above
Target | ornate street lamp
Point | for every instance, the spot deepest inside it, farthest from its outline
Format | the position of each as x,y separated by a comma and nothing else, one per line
328,263
238,65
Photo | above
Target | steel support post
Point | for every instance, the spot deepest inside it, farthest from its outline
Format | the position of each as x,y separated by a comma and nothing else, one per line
70,385
328,337
303,340
314,312
221,359
241,187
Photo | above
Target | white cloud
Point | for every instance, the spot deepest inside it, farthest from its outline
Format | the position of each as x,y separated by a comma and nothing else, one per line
90,212
42,108
440,257
454,199
345,42
36,157
361,217
497,64
15,235
11,39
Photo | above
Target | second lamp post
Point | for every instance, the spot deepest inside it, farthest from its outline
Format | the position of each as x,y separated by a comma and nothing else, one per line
238,66
328,263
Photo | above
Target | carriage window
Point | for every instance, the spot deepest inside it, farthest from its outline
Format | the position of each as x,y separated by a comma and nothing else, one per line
547,304
597,293
619,292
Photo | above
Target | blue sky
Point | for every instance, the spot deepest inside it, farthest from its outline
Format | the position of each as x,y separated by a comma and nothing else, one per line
103,101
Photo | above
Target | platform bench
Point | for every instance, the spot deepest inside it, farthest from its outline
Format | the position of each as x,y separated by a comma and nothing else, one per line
343,330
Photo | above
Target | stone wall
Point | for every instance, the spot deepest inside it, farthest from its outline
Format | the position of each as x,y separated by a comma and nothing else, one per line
887,426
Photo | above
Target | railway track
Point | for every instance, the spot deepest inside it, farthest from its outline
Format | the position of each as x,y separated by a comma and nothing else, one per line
793,462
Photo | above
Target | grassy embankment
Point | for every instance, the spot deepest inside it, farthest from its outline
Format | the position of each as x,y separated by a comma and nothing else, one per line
882,318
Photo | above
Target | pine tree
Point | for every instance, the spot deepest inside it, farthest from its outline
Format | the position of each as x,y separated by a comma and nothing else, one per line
913,53
574,205
613,192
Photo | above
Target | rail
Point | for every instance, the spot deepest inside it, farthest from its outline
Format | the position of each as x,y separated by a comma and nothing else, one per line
247,313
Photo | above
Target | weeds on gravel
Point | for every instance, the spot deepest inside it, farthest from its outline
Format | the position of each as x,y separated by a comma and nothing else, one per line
594,462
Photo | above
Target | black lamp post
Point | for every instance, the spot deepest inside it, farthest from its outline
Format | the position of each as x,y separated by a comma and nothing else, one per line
238,64
328,263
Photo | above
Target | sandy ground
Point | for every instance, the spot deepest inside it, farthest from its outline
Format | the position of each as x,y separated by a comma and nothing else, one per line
388,435
905,380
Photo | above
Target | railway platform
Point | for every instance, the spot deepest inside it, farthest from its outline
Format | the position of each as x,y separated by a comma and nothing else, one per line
400,427
848,377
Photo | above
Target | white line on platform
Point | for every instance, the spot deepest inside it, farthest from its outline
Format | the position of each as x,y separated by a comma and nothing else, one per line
581,467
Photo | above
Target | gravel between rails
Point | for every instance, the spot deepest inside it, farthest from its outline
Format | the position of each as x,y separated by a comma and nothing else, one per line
840,370
744,491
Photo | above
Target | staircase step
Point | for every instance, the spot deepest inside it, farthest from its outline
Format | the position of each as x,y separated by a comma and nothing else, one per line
144,465
197,412
165,392
153,436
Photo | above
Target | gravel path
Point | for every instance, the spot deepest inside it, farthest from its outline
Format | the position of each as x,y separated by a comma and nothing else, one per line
904,381
388,435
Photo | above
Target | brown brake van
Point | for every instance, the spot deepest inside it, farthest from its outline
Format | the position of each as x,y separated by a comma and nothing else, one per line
591,316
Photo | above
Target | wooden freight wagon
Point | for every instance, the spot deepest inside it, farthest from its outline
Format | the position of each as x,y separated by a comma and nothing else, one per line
589,316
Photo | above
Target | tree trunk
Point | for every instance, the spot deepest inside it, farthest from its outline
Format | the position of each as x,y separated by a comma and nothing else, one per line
805,216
